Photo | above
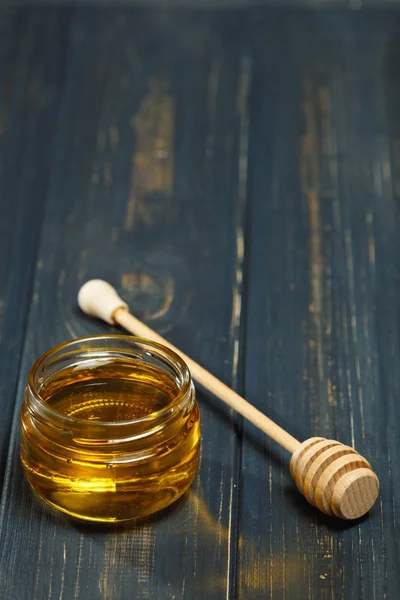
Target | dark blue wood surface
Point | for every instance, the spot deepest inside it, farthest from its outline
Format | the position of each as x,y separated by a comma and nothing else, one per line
236,175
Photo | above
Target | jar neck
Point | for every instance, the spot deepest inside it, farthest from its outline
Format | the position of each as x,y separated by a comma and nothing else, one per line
86,353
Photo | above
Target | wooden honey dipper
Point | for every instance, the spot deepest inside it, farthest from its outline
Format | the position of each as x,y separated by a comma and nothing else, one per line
333,477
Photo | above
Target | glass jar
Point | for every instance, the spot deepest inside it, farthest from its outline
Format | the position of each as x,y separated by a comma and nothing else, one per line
110,428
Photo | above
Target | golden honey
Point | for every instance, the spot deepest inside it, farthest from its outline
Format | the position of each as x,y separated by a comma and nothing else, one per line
110,428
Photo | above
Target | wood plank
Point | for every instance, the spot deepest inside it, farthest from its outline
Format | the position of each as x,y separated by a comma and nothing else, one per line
146,191
322,343
29,88
350,5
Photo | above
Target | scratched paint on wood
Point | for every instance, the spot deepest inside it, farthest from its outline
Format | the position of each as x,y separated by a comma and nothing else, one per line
332,236
153,161
29,89
264,242
85,233
144,283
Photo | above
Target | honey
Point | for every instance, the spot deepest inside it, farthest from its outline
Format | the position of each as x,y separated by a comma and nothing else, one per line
110,428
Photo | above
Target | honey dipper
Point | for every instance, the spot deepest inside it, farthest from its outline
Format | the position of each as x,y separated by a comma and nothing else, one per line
333,477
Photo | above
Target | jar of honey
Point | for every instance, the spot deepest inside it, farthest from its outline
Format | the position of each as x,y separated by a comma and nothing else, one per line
110,428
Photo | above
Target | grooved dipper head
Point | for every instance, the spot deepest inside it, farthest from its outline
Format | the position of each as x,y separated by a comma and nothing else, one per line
334,478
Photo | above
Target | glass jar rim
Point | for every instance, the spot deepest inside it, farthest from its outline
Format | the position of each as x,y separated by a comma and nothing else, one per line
160,351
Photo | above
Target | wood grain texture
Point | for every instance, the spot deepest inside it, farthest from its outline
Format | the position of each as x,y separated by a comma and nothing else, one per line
237,176
30,83
144,174
322,319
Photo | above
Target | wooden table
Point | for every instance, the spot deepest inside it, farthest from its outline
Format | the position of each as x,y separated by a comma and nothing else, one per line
236,175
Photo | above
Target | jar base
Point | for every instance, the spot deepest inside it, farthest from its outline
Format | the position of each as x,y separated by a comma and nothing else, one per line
128,508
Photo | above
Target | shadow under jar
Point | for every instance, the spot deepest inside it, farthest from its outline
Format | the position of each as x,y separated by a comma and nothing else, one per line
110,428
